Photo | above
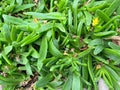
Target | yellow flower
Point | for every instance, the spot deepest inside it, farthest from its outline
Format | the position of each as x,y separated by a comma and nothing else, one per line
98,67
95,21
35,20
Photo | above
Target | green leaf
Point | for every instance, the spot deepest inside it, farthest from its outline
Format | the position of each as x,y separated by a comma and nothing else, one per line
101,59
6,32
19,2
13,33
112,7
10,80
85,52
46,16
107,81
45,27
53,50
80,26
90,69
118,11
31,39
113,73
105,34
60,27
43,48
34,53
9,8
114,46
112,54
88,18
7,49
13,20
105,26
44,80
103,15
96,41
98,49
68,83
28,69
70,20
22,7
24,60
6,58
76,82
42,52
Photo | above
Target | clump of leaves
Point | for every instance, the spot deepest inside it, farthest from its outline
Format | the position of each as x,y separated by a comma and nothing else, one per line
59,44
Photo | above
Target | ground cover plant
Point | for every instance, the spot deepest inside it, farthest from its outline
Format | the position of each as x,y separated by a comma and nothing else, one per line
59,44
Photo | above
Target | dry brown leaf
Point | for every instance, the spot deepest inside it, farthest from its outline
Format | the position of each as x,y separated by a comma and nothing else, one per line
115,39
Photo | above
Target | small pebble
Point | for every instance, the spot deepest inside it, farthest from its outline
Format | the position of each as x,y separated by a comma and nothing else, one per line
102,85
